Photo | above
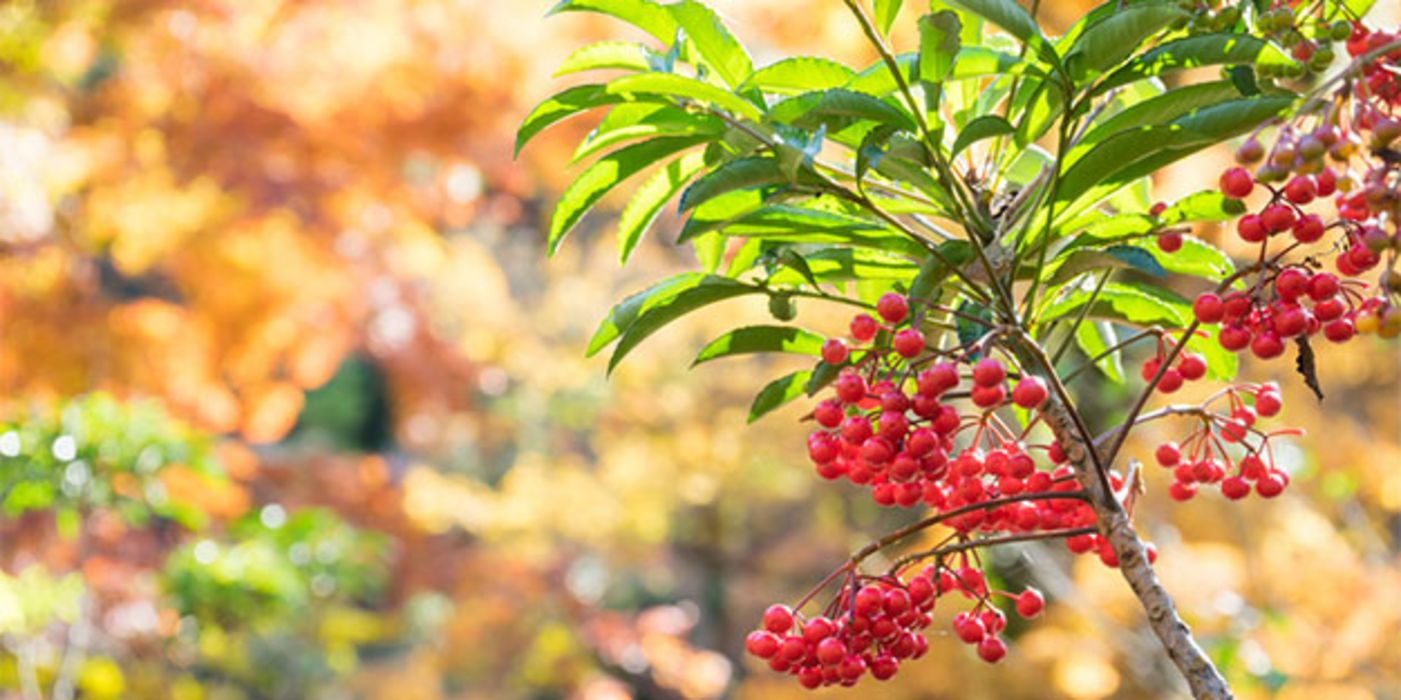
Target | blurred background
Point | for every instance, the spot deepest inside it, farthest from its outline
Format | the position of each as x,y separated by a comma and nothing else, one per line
293,406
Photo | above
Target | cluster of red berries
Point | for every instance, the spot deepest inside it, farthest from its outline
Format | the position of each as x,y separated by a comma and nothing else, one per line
1190,367
1379,76
876,624
1203,458
1289,303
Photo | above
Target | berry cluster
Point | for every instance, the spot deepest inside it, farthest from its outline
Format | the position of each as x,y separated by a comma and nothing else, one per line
1190,367
1341,152
874,624
1204,459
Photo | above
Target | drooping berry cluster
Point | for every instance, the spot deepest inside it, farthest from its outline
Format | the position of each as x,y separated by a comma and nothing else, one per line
873,624
1203,458
1339,151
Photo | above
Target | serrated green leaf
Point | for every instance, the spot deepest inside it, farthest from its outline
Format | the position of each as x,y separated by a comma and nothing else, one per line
561,106
1096,337
939,42
635,121
885,13
605,174
1129,155
1157,110
1195,52
742,173
984,127
1108,42
649,199
633,323
717,47
1131,303
606,55
1010,16
679,86
643,14
800,74
1121,257
757,339
837,109
778,393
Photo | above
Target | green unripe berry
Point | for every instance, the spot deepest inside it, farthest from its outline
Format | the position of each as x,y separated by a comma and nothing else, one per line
781,307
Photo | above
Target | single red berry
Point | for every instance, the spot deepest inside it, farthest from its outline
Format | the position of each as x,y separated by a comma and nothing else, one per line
1278,217
989,372
1252,229
1168,454
1323,286
909,343
1301,189
992,649
1235,488
1208,308
893,308
1182,491
818,629
1339,331
864,328
831,651
1292,284
1171,381
1030,392
1169,242
778,619
810,677
1030,603
1192,366
988,396
1234,338
762,644
1268,403
851,387
1270,485
834,352
970,629
1309,229
1237,183
1267,346
884,667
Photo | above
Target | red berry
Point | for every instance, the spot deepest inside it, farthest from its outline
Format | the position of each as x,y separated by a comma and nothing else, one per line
1308,229
818,629
1169,242
1234,338
988,396
831,651
1252,229
909,343
1277,217
1339,331
1267,346
1235,488
1030,603
829,414
1208,308
1323,286
778,619
1237,183
1182,491
1268,403
762,644
1292,284
864,328
851,387
1030,393
992,649
884,667
989,372
834,352
1300,189
1192,366
938,379
1170,381
1168,454
893,308
1270,485
970,629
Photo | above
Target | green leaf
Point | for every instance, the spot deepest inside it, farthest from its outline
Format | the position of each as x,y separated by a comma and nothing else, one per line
1010,16
640,315
939,43
837,109
716,46
674,86
841,264
805,225
1122,257
821,375
1046,104
649,199
1196,258
1200,206
1108,42
605,174
1096,337
778,393
1157,110
635,121
1195,52
741,173
984,127
886,11
1131,303
933,273
1129,155
607,55
757,339
800,74
562,106
643,14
